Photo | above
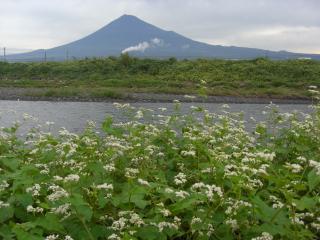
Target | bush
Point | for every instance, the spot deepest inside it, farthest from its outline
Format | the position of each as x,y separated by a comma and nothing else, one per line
198,176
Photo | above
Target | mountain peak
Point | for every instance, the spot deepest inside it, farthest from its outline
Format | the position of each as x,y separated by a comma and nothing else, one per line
128,19
129,33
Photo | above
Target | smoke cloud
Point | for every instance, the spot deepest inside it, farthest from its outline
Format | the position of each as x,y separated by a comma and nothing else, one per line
141,47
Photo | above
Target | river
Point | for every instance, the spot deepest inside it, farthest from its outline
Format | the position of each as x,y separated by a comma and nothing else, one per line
74,115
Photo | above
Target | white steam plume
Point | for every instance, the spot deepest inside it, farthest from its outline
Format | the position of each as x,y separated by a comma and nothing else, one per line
141,47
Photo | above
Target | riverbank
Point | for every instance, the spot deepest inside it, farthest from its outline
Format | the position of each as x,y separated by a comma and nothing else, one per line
41,94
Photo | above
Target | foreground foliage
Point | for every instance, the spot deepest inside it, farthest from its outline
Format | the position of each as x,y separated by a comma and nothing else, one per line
199,176
258,77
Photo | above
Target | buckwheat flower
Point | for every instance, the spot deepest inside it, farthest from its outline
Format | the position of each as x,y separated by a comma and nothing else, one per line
3,185
114,237
302,159
109,167
295,168
119,224
182,194
34,190
105,186
195,220
139,114
44,171
190,153
62,209
297,220
31,209
136,220
313,91
165,212
163,225
160,154
57,178
210,230
316,166
233,223
143,182
168,190
264,236
58,193
72,178
4,205
68,238
52,237
316,226
198,186
180,179
131,172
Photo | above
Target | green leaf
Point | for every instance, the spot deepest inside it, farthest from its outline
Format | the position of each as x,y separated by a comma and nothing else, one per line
150,233
6,233
11,162
313,180
305,203
82,207
6,213
21,234
50,222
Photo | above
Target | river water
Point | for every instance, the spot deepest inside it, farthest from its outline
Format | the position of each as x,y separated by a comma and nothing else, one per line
74,115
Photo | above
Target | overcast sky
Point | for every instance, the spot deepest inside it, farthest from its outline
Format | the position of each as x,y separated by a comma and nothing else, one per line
292,25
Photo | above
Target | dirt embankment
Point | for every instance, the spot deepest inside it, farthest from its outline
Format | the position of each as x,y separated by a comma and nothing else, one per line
38,94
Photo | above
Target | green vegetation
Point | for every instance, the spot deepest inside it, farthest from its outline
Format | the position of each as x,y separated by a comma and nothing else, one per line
178,177
258,77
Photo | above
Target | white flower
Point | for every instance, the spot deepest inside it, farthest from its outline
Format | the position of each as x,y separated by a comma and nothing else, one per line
168,190
109,167
233,224
58,193
62,209
143,182
114,237
316,166
195,220
72,178
264,236
131,172
3,185
34,190
31,209
295,168
52,237
180,179
105,186
190,153
182,194
3,204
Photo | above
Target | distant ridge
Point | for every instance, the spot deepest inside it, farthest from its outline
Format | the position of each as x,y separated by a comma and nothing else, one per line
139,38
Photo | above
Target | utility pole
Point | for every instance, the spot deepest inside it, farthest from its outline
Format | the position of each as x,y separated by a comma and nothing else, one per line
4,54
45,56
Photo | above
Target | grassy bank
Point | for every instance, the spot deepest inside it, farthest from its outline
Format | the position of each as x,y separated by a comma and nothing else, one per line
259,77
194,176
